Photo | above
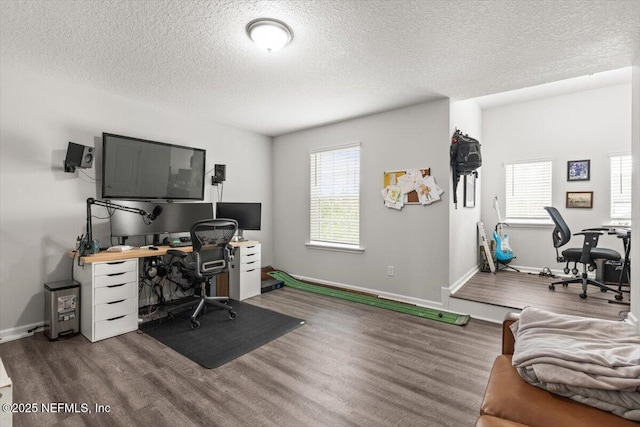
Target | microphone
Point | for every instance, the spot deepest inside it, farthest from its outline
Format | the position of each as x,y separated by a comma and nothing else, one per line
155,213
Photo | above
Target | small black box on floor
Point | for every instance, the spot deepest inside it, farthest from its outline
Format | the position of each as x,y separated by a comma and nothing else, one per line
612,270
270,284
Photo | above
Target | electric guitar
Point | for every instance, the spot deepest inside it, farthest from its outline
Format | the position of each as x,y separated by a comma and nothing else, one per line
503,252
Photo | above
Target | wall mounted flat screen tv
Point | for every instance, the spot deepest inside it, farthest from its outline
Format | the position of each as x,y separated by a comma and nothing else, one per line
138,169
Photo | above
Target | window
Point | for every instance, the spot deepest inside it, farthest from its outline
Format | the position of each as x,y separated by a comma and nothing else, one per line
527,191
335,197
620,186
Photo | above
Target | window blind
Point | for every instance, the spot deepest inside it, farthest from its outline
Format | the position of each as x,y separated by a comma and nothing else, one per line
620,186
335,195
527,190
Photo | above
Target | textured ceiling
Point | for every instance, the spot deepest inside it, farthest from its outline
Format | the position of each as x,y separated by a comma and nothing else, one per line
348,58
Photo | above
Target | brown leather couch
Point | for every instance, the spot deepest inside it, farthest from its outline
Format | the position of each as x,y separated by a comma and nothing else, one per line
509,401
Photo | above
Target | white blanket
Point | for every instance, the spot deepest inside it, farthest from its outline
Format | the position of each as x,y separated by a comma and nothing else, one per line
592,361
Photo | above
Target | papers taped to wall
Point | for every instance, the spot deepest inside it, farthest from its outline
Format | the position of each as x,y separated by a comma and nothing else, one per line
392,196
428,191
412,180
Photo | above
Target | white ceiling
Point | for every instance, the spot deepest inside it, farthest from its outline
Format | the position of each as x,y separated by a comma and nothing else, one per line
560,87
348,58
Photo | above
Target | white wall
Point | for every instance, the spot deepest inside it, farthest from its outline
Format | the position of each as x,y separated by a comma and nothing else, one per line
415,240
635,278
584,125
463,249
42,209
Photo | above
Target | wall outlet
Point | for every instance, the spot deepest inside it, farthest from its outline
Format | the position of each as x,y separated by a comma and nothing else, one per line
390,270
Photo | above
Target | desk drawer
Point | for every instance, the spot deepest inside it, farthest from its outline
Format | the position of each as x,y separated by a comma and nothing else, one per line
248,252
109,328
115,267
111,310
115,279
250,265
250,283
115,292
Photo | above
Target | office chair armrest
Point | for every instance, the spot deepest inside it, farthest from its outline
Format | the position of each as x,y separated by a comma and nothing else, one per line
589,232
591,238
176,252
230,250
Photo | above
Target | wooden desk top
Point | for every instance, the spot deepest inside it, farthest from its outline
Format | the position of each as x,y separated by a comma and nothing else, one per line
105,256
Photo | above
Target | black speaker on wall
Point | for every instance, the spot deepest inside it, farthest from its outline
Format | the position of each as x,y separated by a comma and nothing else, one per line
78,156
219,174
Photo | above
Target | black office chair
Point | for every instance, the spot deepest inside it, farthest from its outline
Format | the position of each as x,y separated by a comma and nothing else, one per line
586,255
211,256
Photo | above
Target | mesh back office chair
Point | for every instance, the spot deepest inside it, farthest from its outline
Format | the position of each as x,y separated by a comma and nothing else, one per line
210,257
586,255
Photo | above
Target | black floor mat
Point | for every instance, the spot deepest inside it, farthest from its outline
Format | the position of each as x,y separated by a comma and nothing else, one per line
219,339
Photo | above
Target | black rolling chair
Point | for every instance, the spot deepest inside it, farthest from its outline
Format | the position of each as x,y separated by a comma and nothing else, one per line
210,257
586,255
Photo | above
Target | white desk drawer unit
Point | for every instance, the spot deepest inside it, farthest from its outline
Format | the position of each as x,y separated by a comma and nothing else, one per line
108,298
244,272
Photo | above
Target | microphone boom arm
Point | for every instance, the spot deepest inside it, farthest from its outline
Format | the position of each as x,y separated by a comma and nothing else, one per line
87,246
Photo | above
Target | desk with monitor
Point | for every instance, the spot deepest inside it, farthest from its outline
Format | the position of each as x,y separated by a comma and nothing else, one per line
109,285
625,235
110,281
622,274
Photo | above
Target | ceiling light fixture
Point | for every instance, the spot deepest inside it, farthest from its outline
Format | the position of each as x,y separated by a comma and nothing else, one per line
269,34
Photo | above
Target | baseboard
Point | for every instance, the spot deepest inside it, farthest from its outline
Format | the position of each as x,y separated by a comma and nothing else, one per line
480,311
386,295
16,333
537,270
461,281
477,310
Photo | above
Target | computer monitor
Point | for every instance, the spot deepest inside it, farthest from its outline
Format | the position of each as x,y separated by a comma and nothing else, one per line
248,215
175,218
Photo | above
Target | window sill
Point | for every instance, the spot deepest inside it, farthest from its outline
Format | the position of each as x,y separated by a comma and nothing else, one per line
618,223
334,247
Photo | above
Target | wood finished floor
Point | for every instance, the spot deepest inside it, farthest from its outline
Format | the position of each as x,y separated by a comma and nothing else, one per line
350,365
518,290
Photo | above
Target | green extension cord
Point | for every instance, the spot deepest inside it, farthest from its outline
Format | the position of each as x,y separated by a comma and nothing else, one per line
427,313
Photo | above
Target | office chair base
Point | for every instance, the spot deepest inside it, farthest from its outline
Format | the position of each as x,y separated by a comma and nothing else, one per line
585,281
202,307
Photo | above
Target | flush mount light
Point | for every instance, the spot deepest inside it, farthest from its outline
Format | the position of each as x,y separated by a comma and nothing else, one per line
269,34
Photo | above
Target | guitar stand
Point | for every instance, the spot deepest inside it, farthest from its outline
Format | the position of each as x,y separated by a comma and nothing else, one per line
502,266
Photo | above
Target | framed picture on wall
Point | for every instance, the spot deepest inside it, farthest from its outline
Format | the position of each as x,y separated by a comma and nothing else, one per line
469,190
580,199
578,170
